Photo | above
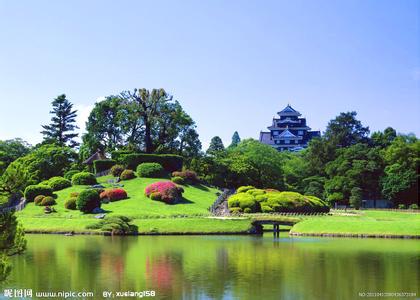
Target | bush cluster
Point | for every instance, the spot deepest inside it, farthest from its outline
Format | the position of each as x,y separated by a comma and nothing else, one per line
114,194
127,175
71,203
189,176
101,165
165,191
32,191
88,200
116,170
249,200
58,183
83,178
169,162
38,199
150,170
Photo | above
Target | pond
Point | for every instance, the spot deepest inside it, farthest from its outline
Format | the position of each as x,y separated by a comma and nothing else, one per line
218,267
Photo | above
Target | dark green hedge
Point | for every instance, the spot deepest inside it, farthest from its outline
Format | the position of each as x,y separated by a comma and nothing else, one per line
101,165
119,154
169,162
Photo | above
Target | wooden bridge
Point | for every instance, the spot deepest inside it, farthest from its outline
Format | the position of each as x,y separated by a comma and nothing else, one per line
276,222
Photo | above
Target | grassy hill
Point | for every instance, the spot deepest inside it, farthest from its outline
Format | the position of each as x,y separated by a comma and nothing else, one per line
150,216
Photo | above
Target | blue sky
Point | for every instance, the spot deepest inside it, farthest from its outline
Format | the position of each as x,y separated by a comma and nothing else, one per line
231,64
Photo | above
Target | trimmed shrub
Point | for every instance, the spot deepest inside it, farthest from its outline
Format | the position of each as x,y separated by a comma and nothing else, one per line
58,183
48,201
243,200
119,154
178,180
115,225
88,200
401,206
68,175
116,170
114,194
101,165
38,199
32,191
235,210
150,170
74,194
169,162
127,175
413,206
244,189
169,191
83,178
71,203
255,200
188,176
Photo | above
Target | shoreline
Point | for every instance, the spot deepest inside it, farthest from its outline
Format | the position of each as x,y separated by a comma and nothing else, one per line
354,235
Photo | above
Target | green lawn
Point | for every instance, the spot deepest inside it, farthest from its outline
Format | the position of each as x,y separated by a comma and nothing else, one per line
150,216
383,223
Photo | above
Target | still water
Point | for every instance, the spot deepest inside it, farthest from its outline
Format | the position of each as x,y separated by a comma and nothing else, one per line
218,267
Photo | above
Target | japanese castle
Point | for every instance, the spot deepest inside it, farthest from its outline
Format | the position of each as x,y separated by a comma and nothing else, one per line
288,132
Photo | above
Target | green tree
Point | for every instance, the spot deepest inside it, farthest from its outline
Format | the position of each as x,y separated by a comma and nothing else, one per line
235,139
10,150
400,182
62,126
216,146
356,197
345,130
383,139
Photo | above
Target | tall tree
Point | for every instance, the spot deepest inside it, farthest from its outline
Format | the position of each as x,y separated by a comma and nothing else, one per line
235,139
345,130
216,146
10,150
145,107
62,126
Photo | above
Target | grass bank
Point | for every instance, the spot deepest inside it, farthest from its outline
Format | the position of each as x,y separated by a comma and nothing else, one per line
191,216
362,224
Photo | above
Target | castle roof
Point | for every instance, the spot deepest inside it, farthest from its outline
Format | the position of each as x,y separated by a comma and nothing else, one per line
287,134
289,111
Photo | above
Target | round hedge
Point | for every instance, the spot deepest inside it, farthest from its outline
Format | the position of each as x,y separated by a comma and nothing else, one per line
58,183
71,203
88,200
32,191
83,178
48,201
116,170
150,170
127,174
168,191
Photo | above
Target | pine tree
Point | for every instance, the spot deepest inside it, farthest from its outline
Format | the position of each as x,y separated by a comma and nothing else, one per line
235,139
216,145
61,129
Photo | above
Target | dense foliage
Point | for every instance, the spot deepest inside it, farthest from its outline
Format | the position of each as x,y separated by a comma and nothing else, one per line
58,183
83,178
251,200
188,176
71,203
116,170
35,190
10,150
88,200
165,191
142,120
150,170
117,225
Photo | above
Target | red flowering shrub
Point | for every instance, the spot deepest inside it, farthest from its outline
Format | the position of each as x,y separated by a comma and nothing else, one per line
114,194
169,192
188,175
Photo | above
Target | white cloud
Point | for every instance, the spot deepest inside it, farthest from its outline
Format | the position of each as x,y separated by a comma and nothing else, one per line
83,112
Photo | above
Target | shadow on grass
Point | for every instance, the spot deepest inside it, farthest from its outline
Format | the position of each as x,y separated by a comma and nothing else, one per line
197,186
183,201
